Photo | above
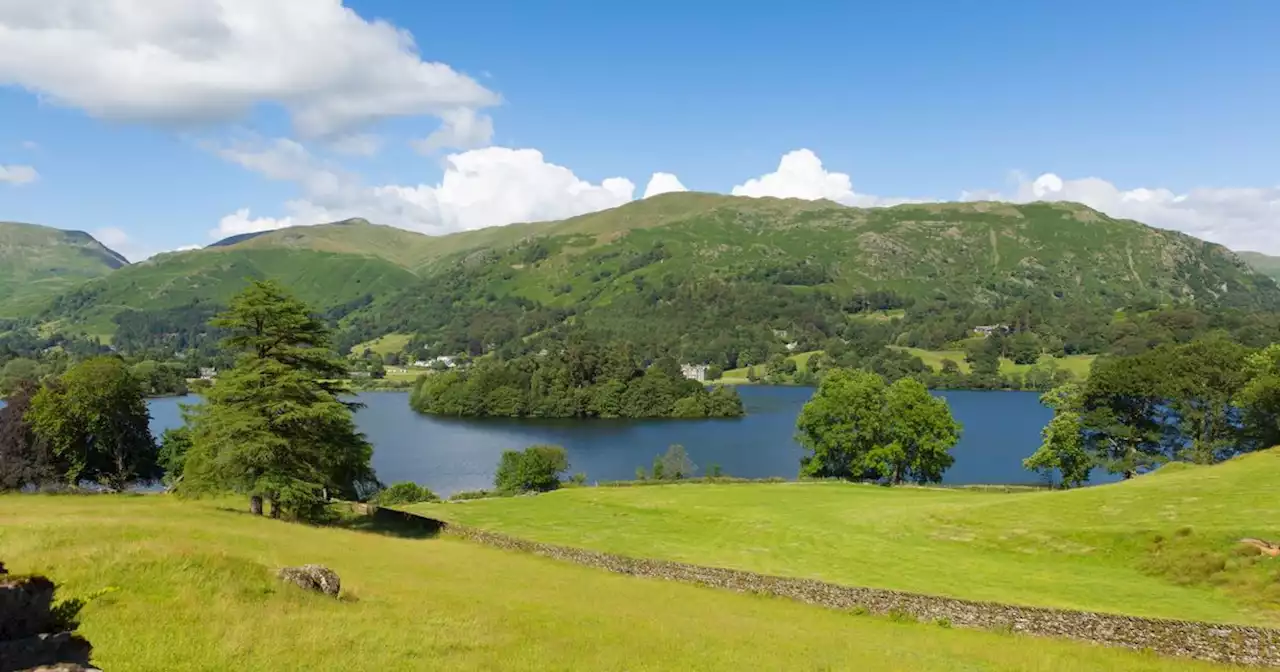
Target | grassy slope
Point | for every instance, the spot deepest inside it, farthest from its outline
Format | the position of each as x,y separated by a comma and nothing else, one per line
38,262
195,592
1262,263
383,345
323,279
738,376
959,248
1086,549
1078,365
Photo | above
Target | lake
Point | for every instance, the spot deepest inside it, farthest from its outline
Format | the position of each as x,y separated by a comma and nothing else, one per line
448,455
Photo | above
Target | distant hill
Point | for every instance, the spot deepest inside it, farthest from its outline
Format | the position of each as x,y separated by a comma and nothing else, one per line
1263,263
684,269
38,262
696,272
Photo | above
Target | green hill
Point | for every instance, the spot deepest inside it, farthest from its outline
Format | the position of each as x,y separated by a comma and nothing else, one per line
1262,263
1164,544
38,262
169,285
683,270
709,276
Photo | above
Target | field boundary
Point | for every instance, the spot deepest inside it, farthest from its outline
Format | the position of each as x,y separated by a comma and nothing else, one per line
1221,643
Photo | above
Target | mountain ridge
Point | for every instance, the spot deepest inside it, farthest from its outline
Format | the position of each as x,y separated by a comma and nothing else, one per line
37,262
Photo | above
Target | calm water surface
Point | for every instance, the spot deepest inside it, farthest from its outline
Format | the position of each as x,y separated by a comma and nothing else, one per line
448,455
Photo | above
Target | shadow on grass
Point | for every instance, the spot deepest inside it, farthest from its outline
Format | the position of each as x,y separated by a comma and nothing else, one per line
388,522
391,523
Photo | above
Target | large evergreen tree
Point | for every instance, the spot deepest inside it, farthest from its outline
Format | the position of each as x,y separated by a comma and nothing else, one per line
275,426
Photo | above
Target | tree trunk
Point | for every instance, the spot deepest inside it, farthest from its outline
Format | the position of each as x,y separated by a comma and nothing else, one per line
275,508
255,505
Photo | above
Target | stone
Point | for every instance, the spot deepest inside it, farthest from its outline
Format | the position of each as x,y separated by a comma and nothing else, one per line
317,578
43,650
25,605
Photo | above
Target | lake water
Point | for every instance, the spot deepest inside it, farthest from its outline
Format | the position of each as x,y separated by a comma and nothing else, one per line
448,455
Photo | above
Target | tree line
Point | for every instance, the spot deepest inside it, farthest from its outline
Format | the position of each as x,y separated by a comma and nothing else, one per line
275,427
1202,402
582,380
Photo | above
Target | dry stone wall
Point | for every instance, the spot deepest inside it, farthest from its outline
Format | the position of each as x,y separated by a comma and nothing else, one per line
1241,645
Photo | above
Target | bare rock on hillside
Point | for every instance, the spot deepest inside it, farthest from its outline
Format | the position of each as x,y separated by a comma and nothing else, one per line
318,578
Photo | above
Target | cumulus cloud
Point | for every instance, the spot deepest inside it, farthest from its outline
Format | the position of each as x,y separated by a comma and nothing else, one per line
1242,218
663,183
462,128
18,175
214,60
800,174
479,188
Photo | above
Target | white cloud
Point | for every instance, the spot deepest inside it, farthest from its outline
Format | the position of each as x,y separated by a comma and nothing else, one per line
111,236
663,183
479,188
800,174
213,60
30,145
357,144
1242,218
18,175
462,128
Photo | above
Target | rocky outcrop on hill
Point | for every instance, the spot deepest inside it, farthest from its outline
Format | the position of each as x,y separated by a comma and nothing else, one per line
33,635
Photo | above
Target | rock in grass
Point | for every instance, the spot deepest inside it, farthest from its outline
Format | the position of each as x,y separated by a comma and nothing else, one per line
318,578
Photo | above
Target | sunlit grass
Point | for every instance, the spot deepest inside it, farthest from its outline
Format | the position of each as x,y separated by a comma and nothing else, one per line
1162,545
196,592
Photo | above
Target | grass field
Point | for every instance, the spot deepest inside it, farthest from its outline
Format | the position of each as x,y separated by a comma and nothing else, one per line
1163,545
739,376
383,345
1078,365
195,591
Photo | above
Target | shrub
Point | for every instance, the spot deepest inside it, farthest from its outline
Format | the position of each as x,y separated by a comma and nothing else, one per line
406,492
535,469
465,495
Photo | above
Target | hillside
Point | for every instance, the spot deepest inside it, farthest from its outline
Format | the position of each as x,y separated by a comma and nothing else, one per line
194,589
176,285
1161,545
713,277
38,262
1262,263
683,270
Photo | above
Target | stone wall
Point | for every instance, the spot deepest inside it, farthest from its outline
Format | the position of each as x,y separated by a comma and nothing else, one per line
1236,644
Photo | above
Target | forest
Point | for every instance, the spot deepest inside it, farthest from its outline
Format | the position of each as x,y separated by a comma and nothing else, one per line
583,380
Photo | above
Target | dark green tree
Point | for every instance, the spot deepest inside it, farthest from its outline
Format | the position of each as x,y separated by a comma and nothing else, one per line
95,419
275,426
25,459
535,469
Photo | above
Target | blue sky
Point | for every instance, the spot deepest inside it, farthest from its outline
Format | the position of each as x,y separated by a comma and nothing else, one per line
158,124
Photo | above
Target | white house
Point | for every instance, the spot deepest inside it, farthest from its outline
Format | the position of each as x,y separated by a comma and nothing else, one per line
208,373
696,372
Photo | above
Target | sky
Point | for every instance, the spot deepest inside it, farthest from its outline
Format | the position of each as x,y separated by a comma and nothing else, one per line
165,124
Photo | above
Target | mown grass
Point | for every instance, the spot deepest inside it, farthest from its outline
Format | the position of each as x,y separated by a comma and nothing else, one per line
738,376
1162,545
195,591
383,345
1078,365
